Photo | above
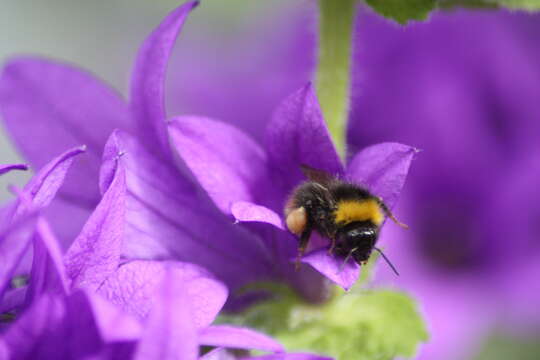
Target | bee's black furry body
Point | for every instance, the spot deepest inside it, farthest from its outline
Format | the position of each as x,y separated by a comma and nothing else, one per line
347,214
321,202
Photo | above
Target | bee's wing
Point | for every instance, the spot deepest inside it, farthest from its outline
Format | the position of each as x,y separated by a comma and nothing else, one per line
319,176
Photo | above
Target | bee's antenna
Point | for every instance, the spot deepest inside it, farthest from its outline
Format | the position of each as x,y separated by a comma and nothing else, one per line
347,259
387,261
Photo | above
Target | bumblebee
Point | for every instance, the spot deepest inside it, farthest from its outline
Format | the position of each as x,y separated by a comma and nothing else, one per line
345,213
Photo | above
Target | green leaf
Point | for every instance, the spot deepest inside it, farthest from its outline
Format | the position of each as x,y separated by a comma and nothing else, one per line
469,4
361,325
526,5
403,11
501,346
529,5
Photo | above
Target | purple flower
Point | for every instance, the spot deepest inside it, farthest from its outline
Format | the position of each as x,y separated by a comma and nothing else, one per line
158,309
469,100
48,106
167,214
124,287
82,323
251,182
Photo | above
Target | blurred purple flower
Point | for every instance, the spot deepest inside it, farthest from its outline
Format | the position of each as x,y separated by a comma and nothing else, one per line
167,215
469,99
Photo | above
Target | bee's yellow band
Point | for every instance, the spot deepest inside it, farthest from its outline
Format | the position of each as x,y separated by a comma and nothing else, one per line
353,210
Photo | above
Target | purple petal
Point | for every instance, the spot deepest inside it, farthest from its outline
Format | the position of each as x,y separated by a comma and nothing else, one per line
207,294
109,164
228,164
38,193
66,231
95,253
117,350
48,107
72,327
148,79
14,243
288,357
383,169
297,135
69,328
80,331
113,324
251,76
244,211
8,167
4,351
217,354
57,327
170,332
134,285
238,338
283,246
166,218
42,188
48,271
13,299
345,275
32,332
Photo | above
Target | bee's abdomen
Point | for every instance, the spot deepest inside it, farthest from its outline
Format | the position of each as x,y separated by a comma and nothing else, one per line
348,211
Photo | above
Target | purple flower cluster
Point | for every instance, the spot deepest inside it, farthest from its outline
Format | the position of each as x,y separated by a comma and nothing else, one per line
468,99
154,309
129,243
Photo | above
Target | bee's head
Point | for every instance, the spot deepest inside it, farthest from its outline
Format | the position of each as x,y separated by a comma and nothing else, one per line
361,235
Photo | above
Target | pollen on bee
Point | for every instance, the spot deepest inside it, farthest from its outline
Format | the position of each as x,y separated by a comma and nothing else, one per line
296,220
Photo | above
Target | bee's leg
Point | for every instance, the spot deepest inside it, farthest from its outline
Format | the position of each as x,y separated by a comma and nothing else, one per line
332,246
303,243
347,259
389,214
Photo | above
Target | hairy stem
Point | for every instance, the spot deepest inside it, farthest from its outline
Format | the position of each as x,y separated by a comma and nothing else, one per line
334,65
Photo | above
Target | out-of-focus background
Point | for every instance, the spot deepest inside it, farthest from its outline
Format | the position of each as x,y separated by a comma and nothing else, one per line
463,87
232,36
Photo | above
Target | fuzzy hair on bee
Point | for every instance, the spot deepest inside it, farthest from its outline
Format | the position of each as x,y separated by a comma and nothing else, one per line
347,214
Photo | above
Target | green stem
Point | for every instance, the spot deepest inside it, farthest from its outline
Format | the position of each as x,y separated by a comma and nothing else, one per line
334,65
